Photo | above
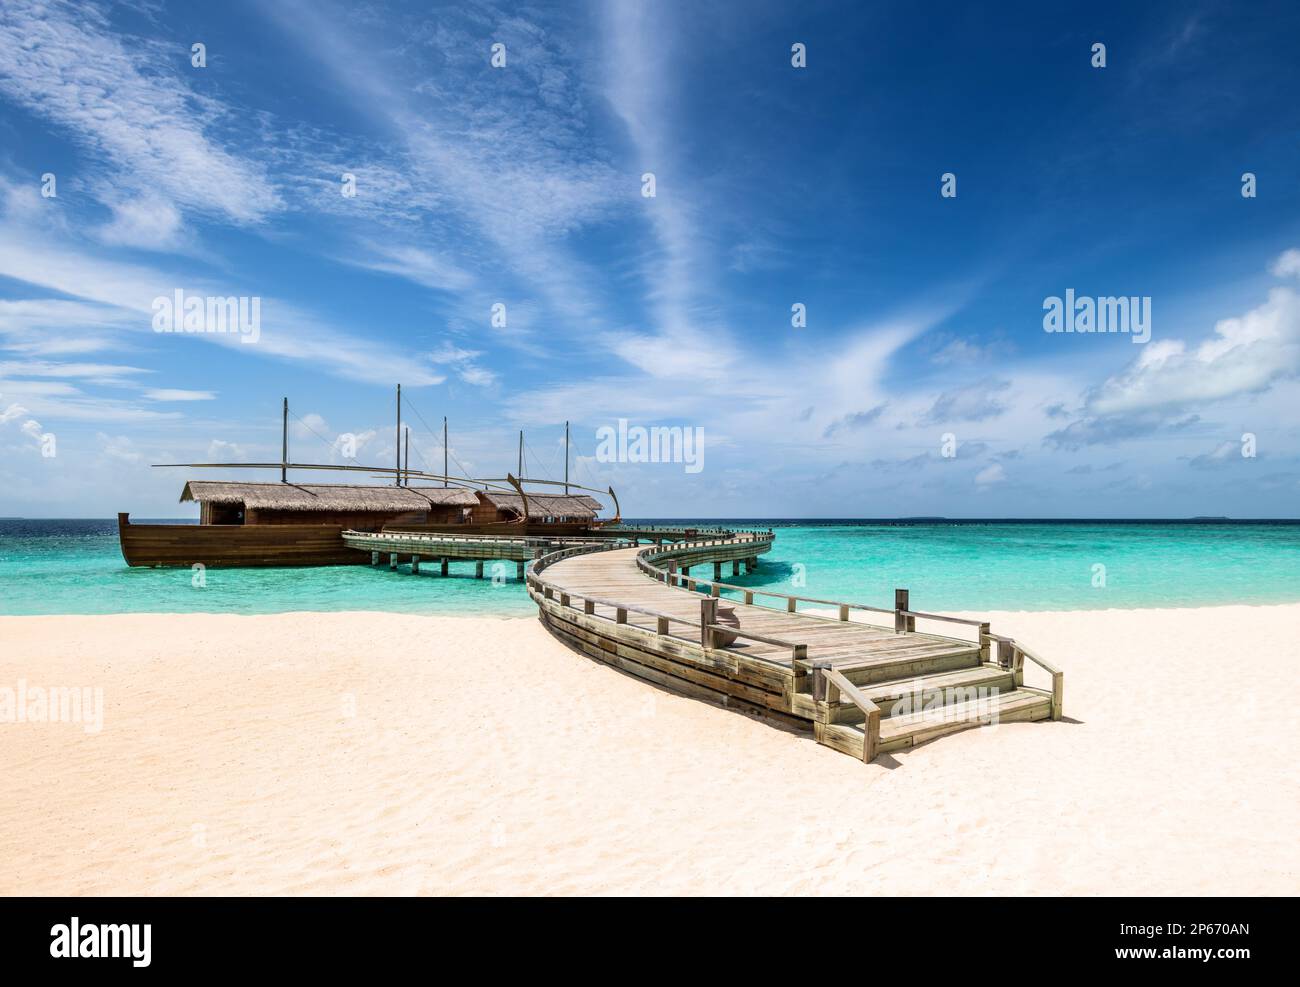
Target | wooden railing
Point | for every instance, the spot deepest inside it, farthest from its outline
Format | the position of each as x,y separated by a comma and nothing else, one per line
531,541
831,683
1058,677
707,625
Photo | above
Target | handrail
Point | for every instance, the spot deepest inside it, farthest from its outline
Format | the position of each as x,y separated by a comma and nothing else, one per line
534,540
1058,677
798,652
836,684
940,616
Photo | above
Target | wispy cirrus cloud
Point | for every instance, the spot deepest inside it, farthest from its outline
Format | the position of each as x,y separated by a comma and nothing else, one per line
640,87
119,295
507,153
132,108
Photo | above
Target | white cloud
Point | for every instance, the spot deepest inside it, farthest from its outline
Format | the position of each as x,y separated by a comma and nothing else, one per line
12,413
99,373
122,296
972,403
462,361
149,221
118,447
1246,354
178,394
989,475
478,376
1287,264
510,154
220,450
308,426
415,264
119,99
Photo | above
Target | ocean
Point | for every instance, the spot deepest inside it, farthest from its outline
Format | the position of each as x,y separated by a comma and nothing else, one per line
76,567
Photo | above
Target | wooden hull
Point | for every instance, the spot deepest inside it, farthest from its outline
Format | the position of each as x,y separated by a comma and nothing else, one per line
234,545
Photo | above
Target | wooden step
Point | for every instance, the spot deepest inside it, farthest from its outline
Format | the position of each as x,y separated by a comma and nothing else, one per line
904,731
917,659
916,692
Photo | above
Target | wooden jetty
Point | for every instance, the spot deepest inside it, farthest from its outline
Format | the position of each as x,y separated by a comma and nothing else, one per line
861,688
414,547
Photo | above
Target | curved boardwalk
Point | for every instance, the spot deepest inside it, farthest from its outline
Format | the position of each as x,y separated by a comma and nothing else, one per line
862,688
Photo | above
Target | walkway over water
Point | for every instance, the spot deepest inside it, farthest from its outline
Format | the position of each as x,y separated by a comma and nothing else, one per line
862,688
445,546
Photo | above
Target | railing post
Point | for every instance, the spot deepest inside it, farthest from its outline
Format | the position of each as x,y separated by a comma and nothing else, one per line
985,641
1005,654
844,611
871,736
672,572
820,685
900,604
708,617
620,615
790,603
588,606
661,625
797,654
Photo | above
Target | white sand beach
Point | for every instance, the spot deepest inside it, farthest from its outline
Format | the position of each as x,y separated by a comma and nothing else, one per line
388,754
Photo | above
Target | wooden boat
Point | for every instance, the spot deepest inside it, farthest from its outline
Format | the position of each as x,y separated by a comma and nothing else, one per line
291,524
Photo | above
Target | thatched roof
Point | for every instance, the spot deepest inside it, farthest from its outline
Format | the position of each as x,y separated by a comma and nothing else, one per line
547,505
326,496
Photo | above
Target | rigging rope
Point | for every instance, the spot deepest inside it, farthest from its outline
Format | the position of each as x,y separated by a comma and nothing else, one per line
459,465
332,444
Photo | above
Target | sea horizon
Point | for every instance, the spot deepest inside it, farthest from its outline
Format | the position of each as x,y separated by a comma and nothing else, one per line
927,519
75,566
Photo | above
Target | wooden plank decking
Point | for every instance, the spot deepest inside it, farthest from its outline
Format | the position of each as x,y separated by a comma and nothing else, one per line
861,688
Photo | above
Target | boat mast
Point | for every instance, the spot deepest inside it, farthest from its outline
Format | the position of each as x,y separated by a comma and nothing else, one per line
445,474
521,452
406,478
397,480
566,457
284,445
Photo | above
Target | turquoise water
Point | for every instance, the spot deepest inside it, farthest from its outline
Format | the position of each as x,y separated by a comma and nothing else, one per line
53,567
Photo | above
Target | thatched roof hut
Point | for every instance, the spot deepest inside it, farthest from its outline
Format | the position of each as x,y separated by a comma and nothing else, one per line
326,496
546,505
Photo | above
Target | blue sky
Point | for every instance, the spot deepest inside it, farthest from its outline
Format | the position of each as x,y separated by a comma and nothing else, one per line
522,186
